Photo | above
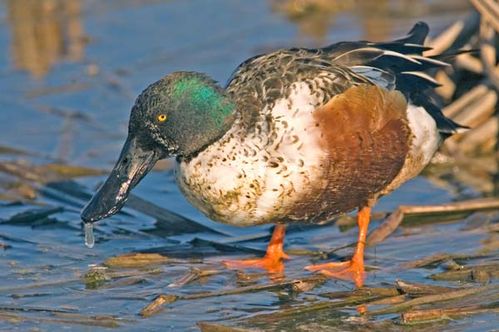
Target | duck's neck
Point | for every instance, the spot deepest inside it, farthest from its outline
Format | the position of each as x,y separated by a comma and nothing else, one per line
207,112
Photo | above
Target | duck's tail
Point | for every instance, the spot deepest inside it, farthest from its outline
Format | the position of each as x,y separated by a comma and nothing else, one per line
401,65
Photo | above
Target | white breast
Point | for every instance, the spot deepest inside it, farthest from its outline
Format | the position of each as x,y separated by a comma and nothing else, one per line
246,179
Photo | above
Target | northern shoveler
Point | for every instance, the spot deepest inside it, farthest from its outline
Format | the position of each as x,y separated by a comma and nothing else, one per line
296,135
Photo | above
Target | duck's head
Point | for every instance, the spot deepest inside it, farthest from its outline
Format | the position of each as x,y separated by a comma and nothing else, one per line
178,115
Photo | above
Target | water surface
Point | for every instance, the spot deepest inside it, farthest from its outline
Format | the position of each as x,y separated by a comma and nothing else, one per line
69,73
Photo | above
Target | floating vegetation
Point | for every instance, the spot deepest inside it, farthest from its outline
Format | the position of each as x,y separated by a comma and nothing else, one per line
136,260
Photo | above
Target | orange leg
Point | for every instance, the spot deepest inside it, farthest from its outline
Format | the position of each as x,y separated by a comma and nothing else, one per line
354,268
272,261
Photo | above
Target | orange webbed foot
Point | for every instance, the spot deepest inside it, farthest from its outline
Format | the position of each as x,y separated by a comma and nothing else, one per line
271,263
273,259
352,270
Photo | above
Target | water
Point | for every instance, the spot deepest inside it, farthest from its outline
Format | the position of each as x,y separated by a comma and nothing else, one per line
69,72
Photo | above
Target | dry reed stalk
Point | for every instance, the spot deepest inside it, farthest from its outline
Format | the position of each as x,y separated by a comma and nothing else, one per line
489,11
445,40
417,289
457,106
157,304
431,299
470,63
214,327
293,285
395,219
423,316
193,275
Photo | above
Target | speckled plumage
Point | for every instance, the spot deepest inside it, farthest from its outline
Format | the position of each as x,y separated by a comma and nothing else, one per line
319,132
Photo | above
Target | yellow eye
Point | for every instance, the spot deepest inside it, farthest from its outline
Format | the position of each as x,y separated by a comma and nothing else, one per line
162,117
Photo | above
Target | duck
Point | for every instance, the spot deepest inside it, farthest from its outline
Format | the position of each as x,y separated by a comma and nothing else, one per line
295,135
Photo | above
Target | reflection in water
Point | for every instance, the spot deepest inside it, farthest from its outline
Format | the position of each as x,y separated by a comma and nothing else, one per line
466,176
43,32
377,18
313,17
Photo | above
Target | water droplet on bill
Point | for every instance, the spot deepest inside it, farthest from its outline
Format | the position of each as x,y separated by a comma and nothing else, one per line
89,235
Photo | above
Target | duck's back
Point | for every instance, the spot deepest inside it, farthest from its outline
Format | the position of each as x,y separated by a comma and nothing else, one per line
319,132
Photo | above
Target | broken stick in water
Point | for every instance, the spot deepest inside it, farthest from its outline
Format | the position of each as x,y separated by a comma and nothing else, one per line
395,219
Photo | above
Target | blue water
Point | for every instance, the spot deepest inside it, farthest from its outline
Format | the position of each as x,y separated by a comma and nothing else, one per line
77,113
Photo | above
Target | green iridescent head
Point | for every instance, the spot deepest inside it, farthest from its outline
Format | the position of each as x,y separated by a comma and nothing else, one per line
183,112
178,115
